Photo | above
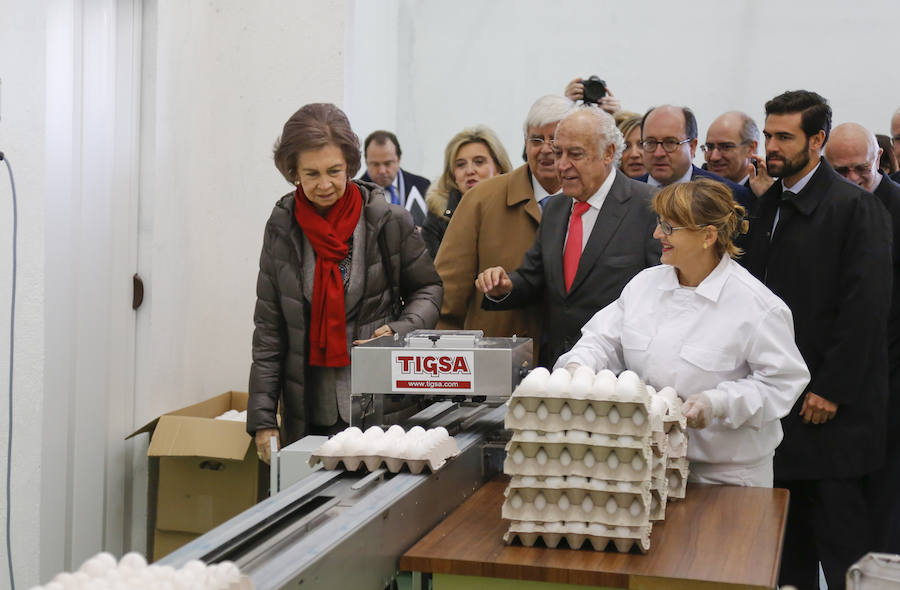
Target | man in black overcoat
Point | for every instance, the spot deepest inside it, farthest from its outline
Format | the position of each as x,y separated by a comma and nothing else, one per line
854,153
822,244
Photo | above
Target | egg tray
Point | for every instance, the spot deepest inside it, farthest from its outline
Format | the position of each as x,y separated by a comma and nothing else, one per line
607,508
577,534
515,464
575,482
554,422
433,462
531,441
676,478
658,498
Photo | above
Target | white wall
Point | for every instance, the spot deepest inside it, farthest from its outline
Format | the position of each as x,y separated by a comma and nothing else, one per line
470,61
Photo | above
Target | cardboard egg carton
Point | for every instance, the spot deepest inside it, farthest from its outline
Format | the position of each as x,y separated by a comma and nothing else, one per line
677,471
558,459
531,441
576,534
608,508
575,482
395,449
620,422
659,496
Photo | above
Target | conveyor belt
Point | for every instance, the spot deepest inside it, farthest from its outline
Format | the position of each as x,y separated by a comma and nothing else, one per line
336,529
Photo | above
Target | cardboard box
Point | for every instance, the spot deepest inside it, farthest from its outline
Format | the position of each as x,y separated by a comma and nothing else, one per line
202,471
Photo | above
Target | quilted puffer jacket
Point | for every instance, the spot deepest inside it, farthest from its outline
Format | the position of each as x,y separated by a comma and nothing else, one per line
280,339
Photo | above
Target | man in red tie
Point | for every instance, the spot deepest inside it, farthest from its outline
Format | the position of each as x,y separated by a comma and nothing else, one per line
592,239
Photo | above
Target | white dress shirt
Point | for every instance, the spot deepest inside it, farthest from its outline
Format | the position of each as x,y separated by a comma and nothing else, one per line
730,338
589,218
540,193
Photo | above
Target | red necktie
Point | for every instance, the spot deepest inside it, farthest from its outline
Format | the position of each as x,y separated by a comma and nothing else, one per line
572,253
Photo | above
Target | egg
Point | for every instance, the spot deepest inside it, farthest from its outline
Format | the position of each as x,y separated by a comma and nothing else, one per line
582,382
132,561
629,386
578,436
393,432
565,458
611,506
518,410
613,416
590,414
565,413
588,459
599,439
555,436
559,382
528,435
587,505
535,381
516,501
604,384
577,481
542,456
540,502
518,456
638,417
563,502
612,460
542,411
529,481
636,508
637,463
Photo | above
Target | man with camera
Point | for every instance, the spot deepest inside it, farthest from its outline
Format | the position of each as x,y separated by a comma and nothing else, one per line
669,142
593,91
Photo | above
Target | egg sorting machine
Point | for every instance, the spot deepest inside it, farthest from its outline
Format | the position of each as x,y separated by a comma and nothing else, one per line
339,529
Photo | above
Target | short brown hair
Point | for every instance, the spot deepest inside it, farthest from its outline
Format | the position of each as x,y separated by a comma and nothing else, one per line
313,127
700,203
381,137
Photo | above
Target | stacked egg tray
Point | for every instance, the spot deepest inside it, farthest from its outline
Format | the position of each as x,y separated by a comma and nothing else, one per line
588,459
416,450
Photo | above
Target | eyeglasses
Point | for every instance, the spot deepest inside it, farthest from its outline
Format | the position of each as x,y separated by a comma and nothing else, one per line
724,148
860,169
669,144
895,139
538,141
666,227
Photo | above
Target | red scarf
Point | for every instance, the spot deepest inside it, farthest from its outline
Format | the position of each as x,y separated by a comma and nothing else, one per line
328,235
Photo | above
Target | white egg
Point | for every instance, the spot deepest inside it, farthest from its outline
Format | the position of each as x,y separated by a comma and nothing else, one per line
230,571
329,447
526,526
518,456
638,417
529,481
516,501
577,481
611,506
668,394
536,380
565,458
626,440
542,411
612,460
132,561
352,431
604,384
374,432
623,531
563,502
582,381
542,456
393,432
613,416
623,486
518,410
559,382
528,435
415,432
578,436
587,505
637,463
599,439
600,528
565,413
64,578
555,436
590,414
588,459
636,508
658,405
540,502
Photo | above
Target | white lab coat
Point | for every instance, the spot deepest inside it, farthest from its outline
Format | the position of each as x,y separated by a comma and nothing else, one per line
730,337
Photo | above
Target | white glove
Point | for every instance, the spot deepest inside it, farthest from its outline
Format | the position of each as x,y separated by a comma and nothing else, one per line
572,367
698,410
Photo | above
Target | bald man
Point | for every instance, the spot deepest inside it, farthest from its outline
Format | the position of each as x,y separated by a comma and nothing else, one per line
853,152
669,142
730,141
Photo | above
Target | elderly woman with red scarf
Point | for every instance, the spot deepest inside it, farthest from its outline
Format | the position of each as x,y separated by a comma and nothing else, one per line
339,264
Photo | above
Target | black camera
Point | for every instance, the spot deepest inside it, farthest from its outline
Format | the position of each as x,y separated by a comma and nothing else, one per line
594,90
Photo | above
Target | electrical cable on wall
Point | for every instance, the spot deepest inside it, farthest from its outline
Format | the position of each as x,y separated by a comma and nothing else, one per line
12,332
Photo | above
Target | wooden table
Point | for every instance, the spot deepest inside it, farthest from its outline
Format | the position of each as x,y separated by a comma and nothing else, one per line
718,537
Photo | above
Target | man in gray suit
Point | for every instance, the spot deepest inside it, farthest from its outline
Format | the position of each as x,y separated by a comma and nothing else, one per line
591,241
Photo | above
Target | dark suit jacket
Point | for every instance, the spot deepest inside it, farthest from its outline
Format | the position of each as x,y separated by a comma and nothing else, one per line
830,261
888,192
742,194
409,180
896,176
620,246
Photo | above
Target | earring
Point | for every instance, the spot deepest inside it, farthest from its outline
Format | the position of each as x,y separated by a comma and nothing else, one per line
705,245
296,183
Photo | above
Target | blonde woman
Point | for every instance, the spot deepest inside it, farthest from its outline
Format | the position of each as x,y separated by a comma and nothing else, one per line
474,154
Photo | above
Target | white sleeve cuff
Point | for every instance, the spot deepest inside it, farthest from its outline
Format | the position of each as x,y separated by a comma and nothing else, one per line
719,402
497,300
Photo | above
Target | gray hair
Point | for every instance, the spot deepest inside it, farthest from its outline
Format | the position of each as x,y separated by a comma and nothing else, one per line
604,129
895,115
749,130
547,109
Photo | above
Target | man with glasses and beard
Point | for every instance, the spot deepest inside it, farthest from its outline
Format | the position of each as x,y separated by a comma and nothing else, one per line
823,245
669,142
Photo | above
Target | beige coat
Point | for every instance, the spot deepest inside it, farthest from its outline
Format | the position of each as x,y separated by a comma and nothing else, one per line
494,225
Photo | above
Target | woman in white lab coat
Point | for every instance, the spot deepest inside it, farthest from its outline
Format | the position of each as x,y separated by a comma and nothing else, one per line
703,325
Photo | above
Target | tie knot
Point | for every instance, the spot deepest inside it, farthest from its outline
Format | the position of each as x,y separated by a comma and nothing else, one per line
787,195
580,208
